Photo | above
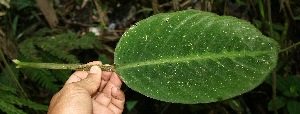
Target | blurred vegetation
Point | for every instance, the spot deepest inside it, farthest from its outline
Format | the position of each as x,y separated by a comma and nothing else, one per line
60,31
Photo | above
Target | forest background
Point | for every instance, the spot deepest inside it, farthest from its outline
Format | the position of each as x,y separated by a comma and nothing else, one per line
80,31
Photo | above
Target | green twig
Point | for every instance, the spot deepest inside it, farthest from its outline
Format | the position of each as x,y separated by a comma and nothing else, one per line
175,5
274,78
82,67
290,47
155,6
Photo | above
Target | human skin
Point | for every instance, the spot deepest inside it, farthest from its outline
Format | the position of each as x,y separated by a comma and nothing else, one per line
93,92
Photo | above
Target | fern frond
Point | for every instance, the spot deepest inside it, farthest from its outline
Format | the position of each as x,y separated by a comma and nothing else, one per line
28,49
55,48
59,46
9,76
43,78
9,108
42,32
61,54
62,75
11,99
7,88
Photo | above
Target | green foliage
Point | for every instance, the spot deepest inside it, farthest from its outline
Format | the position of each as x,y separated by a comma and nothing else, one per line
131,104
293,107
9,108
16,100
289,88
41,48
54,48
7,79
261,8
11,103
11,100
199,56
280,102
44,78
21,4
21,18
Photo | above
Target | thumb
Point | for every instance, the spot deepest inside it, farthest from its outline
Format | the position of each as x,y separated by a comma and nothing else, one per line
93,80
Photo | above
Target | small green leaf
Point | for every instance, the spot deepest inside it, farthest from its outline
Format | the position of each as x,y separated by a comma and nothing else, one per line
23,102
261,8
7,76
288,86
130,104
281,84
194,57
280,102
103,59
293,107
9,108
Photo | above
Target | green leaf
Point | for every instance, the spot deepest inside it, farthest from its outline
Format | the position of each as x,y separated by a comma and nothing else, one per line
7,76
293,107
9,108
43,77
130,104
280,102
59,46
297,17
21,4
23,102
194,57
14,25
281,84
103,59
5,88
261,8
288,86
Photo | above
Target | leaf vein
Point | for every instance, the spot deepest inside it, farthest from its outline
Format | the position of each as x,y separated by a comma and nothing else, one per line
206,56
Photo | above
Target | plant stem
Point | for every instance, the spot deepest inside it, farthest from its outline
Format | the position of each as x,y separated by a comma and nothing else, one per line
274,77
175,5
288,48
101,13
155,6
82,67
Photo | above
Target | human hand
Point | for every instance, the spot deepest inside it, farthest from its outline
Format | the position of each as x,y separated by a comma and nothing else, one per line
94,92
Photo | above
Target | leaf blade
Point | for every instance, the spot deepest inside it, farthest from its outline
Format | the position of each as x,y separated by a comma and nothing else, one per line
194,57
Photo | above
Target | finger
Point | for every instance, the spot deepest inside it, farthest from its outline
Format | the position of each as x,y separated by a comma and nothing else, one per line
117,101
100,109
93,80
105,78
114,81
103,99
105,96
106,75
77,76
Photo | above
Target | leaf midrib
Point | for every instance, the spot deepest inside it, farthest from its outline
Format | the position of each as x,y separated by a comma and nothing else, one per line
208,56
